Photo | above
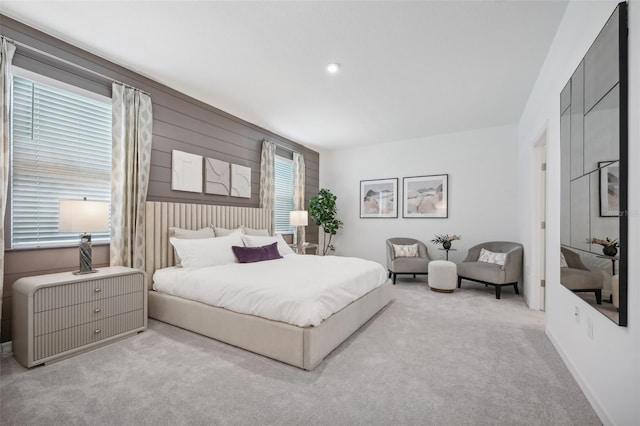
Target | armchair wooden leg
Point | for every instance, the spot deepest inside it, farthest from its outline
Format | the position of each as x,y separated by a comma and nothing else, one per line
459,282
414,275
498,291
394,278
599,296
515,287
389,274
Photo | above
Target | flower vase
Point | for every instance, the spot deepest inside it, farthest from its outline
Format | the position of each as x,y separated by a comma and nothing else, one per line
446,245
610,251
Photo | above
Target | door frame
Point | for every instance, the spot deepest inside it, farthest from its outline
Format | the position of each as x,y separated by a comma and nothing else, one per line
540,215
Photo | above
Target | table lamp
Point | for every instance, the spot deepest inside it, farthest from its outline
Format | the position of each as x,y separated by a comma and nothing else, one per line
84,217
299,219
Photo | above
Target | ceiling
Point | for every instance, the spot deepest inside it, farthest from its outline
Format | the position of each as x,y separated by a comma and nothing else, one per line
408,69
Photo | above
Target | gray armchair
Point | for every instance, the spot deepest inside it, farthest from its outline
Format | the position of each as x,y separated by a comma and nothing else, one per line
578,278
407,265
489,273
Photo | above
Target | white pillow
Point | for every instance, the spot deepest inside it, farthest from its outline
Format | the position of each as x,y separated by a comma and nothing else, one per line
257,241
188,234
410,250
563,261
206,251
491,257
255,232
223,232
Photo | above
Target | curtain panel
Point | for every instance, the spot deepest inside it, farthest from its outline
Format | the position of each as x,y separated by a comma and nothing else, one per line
298,191
132,121
7,49
267,175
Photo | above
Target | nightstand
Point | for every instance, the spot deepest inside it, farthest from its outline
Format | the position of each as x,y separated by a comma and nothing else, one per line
57,315
306,247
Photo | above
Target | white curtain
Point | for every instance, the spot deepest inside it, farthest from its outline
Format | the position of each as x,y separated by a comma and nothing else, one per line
132,121
298,190
267,175
7,49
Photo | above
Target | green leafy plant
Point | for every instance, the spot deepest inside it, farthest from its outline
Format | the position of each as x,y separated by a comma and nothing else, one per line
322,210
441,239
445,240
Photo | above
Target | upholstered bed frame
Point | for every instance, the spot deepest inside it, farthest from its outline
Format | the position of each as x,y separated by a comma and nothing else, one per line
303,347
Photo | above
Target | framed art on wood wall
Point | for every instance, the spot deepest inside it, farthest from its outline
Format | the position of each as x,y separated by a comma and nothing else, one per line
379,198
425,196
186,171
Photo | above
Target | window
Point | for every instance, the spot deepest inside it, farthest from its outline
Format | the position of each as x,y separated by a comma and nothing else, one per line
61,149
284,195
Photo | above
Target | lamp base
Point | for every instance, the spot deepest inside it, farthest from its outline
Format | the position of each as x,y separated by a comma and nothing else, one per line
298,240
92,271
85,256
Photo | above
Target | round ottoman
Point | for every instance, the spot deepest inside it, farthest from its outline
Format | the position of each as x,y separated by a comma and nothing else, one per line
443,276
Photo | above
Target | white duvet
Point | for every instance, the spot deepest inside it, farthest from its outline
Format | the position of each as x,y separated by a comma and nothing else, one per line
297,289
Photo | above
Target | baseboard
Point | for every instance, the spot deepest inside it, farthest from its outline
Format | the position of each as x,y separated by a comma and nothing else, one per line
6,350
591,397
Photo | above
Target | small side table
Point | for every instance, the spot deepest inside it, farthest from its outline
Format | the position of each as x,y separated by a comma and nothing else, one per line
306,247
447,252
613,261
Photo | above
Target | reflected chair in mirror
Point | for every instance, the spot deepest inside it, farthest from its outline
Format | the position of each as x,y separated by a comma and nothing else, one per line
578,278
400,264
473,268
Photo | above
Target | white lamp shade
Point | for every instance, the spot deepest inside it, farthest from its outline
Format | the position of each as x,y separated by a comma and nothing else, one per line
84,216
298,218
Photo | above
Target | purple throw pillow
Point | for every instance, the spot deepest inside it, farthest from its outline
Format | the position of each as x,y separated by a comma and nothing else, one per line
256,254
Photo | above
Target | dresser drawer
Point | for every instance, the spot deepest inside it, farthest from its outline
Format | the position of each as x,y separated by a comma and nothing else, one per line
71,316
61,341
93,289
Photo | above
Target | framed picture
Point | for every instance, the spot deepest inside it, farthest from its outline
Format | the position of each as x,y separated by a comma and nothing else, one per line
425,196
609,188
186,171
379,198
216,180
240,181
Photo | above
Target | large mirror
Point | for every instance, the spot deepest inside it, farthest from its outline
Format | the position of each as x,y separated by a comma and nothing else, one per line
593,137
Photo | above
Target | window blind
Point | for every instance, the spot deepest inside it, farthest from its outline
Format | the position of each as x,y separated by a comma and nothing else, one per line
284,195
61,149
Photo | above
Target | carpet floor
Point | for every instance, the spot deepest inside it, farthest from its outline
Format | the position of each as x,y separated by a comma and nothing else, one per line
426,359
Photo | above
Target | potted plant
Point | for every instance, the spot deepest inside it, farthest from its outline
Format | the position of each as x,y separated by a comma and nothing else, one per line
445,240
322,210
609,247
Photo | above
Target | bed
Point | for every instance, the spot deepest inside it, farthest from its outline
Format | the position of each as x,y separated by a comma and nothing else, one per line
301,346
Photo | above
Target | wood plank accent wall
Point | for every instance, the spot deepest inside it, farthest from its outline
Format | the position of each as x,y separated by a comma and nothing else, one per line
179,122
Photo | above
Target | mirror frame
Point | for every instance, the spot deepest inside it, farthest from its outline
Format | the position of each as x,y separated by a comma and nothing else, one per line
621,10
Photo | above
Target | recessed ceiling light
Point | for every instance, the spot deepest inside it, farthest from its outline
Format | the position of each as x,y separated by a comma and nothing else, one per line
333,68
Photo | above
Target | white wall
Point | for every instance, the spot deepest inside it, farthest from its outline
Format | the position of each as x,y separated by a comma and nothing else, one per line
607,367
482,190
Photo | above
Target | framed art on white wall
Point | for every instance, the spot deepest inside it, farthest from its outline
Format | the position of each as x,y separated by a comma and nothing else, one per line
379,198
425,196
609,188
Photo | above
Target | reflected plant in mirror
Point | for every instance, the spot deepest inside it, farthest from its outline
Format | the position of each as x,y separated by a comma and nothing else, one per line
609,247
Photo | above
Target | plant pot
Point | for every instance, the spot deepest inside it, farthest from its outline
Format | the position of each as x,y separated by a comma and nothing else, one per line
446,245
610,251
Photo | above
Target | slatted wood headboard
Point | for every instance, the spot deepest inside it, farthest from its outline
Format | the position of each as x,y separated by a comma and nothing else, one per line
161,216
